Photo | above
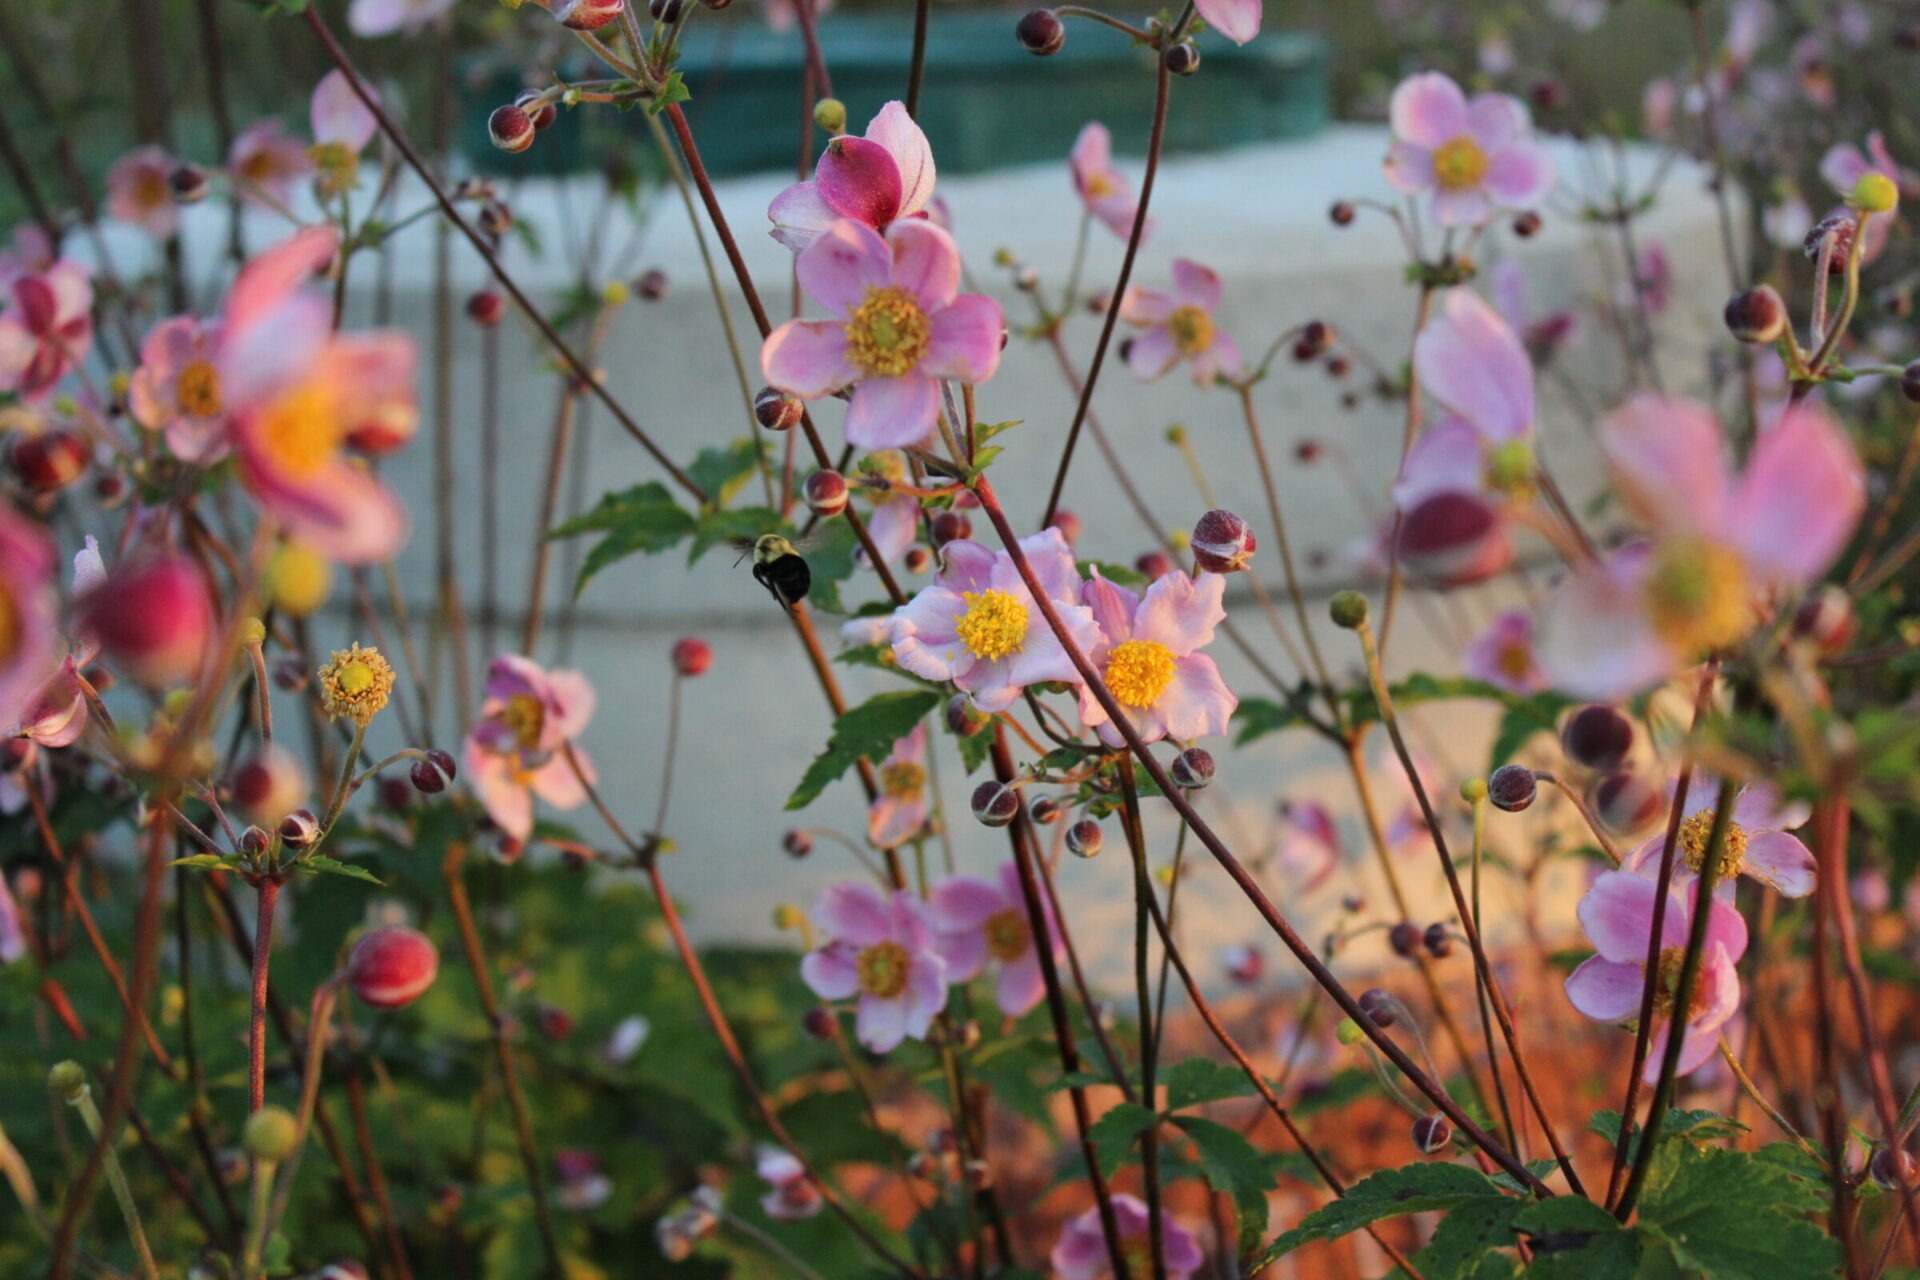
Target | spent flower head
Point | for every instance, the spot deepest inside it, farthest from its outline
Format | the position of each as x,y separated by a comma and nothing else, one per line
355,684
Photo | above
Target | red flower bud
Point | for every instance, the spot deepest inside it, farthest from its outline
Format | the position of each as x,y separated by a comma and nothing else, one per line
825,493
692,656
1757,315
1065,521
1432,1134
1598,737
392,967
486,308
1378,1007
1404,938
510,129
1084,838
776,410
587,15
1222,542
1192,768
859,179
1826,619
1454,539
1625,802
994,804
1041,33
153,617
48,461
950,525
1154,565
1511,787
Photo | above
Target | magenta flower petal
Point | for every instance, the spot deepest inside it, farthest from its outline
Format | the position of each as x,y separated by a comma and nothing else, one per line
1145,306
1669,461
880,1025
1113,608
1196,286
1799,499
1020,985
337,115
858,179
853,913
1467,208
1519,176
891,413
1503,655
965,565
1474,364
912,155
1428,110
840,266
926,262
799,215
1617,914
1448,457
1198,701
1494,120
1237,20
963,902
1606,990
964,339
1151,354
1781,861
808,358
1409,168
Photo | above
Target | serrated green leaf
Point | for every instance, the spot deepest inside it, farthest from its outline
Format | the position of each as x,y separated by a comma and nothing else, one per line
1733,1216
1197,1080
1258,717
1576,1239
722,470
985,431
1389,1193
830,555
1522,719
201,860
974,750
1112,1134
642,519
869,730
1465,1237
672,90
1698,1126
1233,1165
743,524
321,865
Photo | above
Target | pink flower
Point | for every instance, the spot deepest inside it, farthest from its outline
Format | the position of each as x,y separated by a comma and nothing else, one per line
982,921
873,180
1081,1253
893,525
32,253
1845,164
793,1195
1476,155
46,329
177,390
1503,655
1104,190
1720,543
154,615
514,753
1756,843
882,950
1148,655
370,18
264,161
901,809
140,191
13,937
978,626
342,127
1180,326
1309,848
1237,20
899,323
1617,914
28,640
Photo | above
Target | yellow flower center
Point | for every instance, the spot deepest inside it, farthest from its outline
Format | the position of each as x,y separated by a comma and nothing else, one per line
301,431
1139,671
355,684
1694,833
526,716
1138,1253
150,191
1459,164
1698,598
1666,982
994,625
903,780
1509,470
1191,328
1008,935
262,166
9,626
1098,184
1515,662
887,334
883,969
198,390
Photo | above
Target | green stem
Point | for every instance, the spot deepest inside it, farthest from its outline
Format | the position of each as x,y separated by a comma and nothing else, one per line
117,1179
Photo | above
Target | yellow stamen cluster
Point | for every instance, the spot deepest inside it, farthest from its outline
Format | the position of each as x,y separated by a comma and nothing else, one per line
1009,935
526,718
1191,329
1099,184
1666,982
1515,662
1694,833
1698,597
888,333
903,780
197,390
994,625
9,625
355,684
1459,164
301,431
883,969
1139,671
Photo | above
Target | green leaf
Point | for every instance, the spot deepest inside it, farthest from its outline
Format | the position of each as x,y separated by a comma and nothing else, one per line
644,518
869,730
1120,575
1113,1133
1733,1216
1698,1126
985,431
672,90
321,865
974,750
1465,1237
1523,718
1258,717
1199,1080
1575,1239
743,524
1387,1194
829,552
211,861
1233,1165
722,470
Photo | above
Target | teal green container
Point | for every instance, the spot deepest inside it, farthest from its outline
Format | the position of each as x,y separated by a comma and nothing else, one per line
987,103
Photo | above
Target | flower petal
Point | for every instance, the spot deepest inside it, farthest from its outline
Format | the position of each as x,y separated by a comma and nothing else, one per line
1606,990
1592,637
895,130
1782,861
852,912
1197,702
807,358
832,973
840,266
1799,499
964,339
926,262
891,413
880,1024
1473,363
1669,459
1427,110
1181,612
1617,913
1237,20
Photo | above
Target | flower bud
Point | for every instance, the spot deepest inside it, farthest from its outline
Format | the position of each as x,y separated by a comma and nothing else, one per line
819,1022
587,15
1046,811
692,656
486,308
825,493
270,785
1910,382
1597,736
553,1023
431,775
1154,565
1454,540
1890,1168
510,129
1182,59
1511,787
995,804
153,616
917,560
1404,938
1625,802
1838,228
539,108
1341,214
270,1134
299,829
830,114
1473,790
1757,315
1084,838
342,1269
1065,521
1432,1133
1438,940
1192,769
390,968
496,218
859,178
949,526
48,461
290,674
67,1081
1826,620
1527,225
962,718
776,410
667,11
1875,193
1378,1005
653,284
797,843
1348,1032
189,184
1348,609
1222,542
1041,33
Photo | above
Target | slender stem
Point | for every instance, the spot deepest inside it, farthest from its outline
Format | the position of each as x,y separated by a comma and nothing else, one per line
1480,979
1409,433
117,1180
258,1208
917,69
1752,1090
1143,903
268,889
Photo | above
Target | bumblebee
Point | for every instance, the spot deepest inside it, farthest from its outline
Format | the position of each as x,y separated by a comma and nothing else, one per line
781,569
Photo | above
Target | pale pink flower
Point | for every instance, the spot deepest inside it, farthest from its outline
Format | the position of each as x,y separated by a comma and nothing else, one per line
176,389
1477,155
1309,847
140,191
28,639
899,324
1180,326
792,1196
1756,843
338,117
900,810
978,625
370,18
1081,1253
882,950
518,751
1845,164
264,162
1237,20
1148,655
46,329
874,180
1503,655
1720,545
1617,914
983,922
1104,190
31,254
